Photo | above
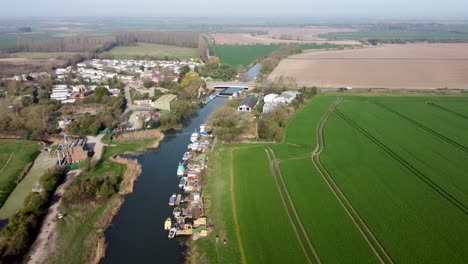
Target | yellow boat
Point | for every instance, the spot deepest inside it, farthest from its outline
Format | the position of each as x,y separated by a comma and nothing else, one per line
167,224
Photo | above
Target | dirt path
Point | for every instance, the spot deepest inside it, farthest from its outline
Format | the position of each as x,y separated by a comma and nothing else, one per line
365,231
45,242
98,146
272,168
6,163
234,211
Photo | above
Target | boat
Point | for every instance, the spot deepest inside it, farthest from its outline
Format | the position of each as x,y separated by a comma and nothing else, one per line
195,146
172,199
183,182
180,170
176,212
186,156
189,147
167,224
172,233
194,137
202,128
204,134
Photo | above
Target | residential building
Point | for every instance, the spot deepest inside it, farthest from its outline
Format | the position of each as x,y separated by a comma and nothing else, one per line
248,104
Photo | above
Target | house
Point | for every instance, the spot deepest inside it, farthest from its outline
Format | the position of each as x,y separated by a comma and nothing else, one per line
273,100
248,104
164,102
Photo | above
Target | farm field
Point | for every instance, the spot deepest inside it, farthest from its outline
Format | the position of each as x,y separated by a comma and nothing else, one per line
386,182
406,32
152,50
15,154
298,33
42,55
248,39
8,41
244,55
398,66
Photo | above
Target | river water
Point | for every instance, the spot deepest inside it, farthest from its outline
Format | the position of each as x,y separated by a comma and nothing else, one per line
254,71
137,233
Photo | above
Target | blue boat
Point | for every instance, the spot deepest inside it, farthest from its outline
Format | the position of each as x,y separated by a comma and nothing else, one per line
172,199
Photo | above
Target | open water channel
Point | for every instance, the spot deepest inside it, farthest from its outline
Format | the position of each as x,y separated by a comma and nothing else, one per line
137,233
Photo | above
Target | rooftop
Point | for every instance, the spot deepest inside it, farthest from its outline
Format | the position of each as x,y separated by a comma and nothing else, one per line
167,98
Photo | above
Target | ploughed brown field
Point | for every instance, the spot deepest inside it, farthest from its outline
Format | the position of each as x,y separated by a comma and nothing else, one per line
247,39
399,66
299,33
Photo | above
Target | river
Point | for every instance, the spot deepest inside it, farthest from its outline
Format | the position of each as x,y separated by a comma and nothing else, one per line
137,233
254,71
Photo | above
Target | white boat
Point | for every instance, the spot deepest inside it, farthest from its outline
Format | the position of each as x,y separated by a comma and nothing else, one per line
172,233
194,137
182,182
186,156
195,146
177,212
202,128
189,147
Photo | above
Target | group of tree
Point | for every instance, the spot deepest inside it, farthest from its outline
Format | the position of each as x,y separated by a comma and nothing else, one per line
272,60
23,226
83,43
214,69
181,111
225,123
182,39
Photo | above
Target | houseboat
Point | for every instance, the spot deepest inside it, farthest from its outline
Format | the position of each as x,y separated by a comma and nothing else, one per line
172,199
202,128
195,146
186,156
176,211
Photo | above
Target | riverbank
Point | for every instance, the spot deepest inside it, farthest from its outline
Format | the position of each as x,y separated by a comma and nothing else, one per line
81,236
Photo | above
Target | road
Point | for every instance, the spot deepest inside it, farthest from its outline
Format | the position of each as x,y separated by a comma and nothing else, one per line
45,242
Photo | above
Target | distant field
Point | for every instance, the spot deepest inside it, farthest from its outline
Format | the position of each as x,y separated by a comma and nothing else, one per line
419,66
385,184
298,32
248,39
410,32
42,55
244,55
15,154
8,41
152,50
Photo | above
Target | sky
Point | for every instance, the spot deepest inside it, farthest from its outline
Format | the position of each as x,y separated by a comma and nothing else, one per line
415,9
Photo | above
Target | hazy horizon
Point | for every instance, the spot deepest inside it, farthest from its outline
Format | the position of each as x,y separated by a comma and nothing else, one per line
372,9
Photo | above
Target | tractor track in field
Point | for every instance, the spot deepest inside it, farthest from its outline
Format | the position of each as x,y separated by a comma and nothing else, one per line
275,163
427,129
234,210
451,199
357,220
449,110
283,201
6,163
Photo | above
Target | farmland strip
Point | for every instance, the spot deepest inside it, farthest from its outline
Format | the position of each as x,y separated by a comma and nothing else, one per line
234,211
433,132
449,110
272,168
293,208
407,165
347,206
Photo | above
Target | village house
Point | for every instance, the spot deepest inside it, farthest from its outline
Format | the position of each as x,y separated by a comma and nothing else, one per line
248,104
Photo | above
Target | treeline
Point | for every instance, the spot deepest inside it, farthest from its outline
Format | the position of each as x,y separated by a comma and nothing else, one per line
70,44
182,39
23,227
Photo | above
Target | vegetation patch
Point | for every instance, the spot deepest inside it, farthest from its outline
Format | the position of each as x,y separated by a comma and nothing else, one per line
153,51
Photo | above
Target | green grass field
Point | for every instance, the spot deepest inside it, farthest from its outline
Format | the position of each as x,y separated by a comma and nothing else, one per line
152,50
15,154
386,184
244,55
410,32
8,41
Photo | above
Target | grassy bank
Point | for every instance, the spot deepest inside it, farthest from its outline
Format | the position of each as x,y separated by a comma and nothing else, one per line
81,233
15,154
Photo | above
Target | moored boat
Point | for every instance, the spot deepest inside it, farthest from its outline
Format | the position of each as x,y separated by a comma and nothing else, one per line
186,156
195,146
180,170
183,182
172,199
194,137
202,128
172,233
176,211
167,224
